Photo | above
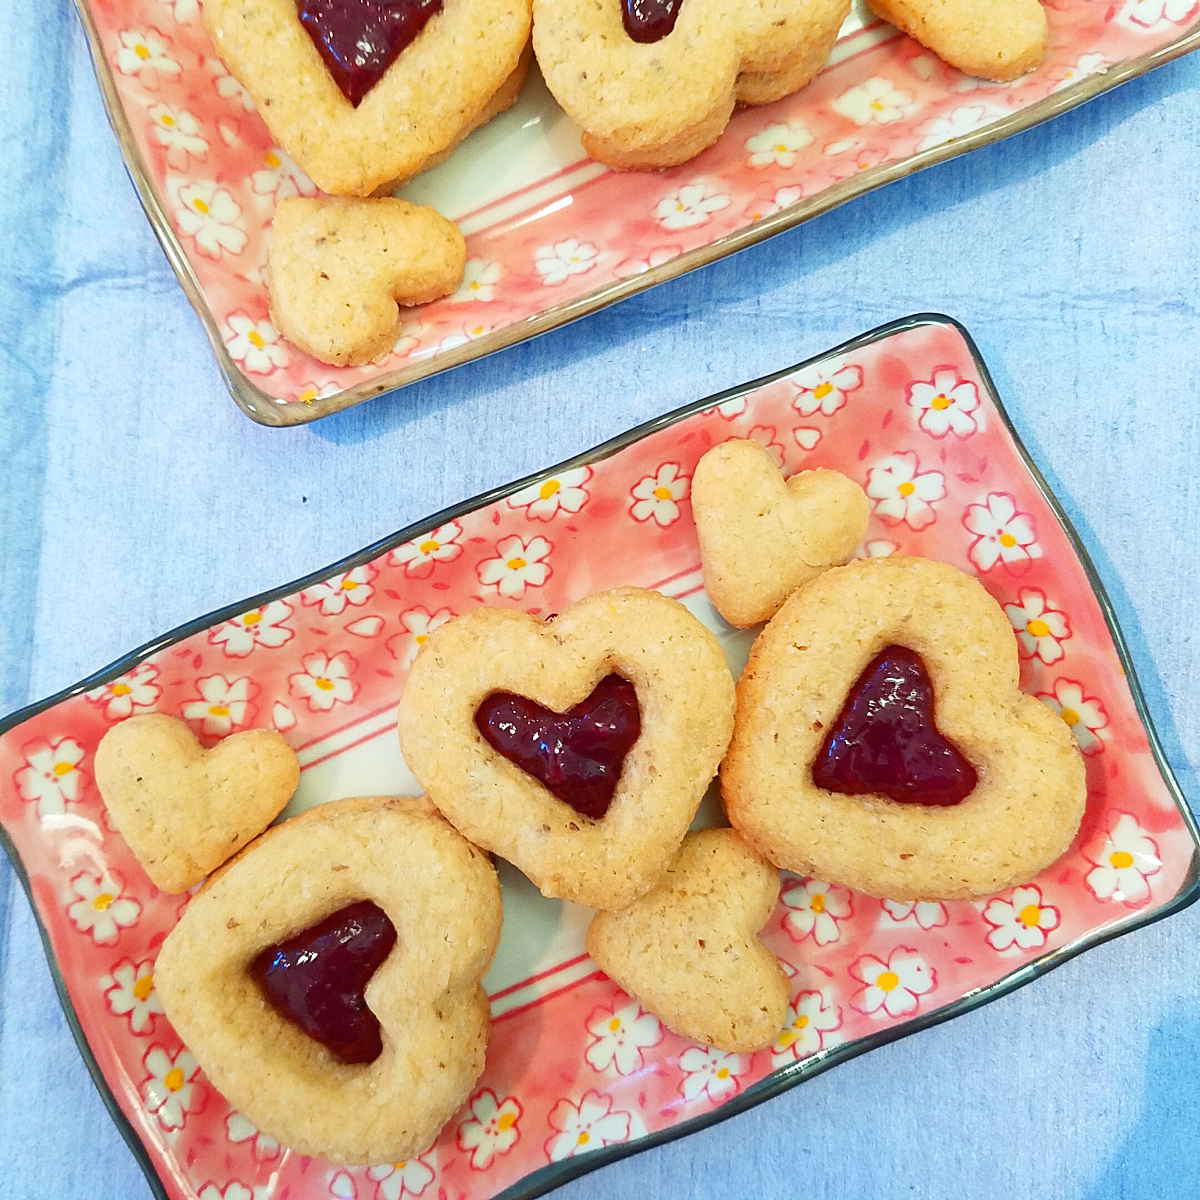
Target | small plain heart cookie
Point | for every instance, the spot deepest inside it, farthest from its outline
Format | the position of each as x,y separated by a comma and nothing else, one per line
882,741
438,898
339,270
762,537
185,810
577,748
992,39
689,950
659,100
466,64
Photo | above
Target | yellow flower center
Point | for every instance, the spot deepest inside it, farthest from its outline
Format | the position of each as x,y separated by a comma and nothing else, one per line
877,105
218,710
272,160
120,689
308,395
887,980
251,618
723,1073
429,547
583,1138
422,638
781,147
662,493
614,1025
173,1079
1121,859
940,402
801,1022
63,768
1037,627
822,389
167,120
1070,716
506,1122
907,488
516,564
255,339
326,685
102,901
143,986
401,1164
348,585
817,903
200,206
474,285
1007,540
1030,916
549,489
142,51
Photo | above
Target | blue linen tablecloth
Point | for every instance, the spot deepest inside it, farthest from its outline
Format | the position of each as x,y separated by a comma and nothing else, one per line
135,496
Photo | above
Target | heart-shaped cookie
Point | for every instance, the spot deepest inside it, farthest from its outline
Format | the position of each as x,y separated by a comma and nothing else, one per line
466,64
185,810
441,898
993,39
339,270
803,685
762,537
689,950
653,83
684,698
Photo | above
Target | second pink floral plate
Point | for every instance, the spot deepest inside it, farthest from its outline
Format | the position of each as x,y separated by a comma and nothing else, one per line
552,235
578,1073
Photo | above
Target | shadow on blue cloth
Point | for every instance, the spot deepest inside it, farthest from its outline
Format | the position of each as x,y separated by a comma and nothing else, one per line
820,242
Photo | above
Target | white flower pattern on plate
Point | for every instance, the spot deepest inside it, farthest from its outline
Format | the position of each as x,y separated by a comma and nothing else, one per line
691,205
223,704
255,344
129,991
128,693
810,1016
1084,714
1002,534
263,626
493,1128
777,145
876,102
656,497
279,178
209,214
178,132
957,124
480,277
814,909
903,494
619,1036
325,681
824,388
710,1072
894,985
239,1129
588,1125
1040,629
418,623
764,435
51,774
335,594
100,909
418,558
171,1092
564,492
144,54
557,263
1125,861
519,564
410,1177
946,404
928,914
1021,921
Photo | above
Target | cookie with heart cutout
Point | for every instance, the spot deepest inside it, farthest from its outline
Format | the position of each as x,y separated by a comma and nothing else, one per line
327,980
999,40
654,82
367,94
882,741
761,537
185,810
577,748
339,271
689,950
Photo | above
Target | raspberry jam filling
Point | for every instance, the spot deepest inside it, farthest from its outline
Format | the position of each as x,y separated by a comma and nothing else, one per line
885,741
649,20
316,979
360,39
576,755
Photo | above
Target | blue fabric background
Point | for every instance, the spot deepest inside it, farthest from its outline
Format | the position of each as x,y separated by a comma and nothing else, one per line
135,496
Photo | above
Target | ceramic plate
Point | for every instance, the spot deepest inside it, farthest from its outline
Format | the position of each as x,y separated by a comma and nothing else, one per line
577,1073
552,235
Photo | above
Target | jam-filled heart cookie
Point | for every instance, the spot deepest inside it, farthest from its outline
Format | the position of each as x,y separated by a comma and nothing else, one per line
993,39
654,82
577,748
762,537
185,810
365,93
339,269
689,950
328,980
882,741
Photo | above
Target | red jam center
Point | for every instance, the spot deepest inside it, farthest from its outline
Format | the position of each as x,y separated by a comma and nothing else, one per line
360,39
649,20
885,741
576,755
317,979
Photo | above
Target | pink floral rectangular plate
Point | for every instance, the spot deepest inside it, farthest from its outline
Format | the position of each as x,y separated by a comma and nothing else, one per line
577,1073
552,235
